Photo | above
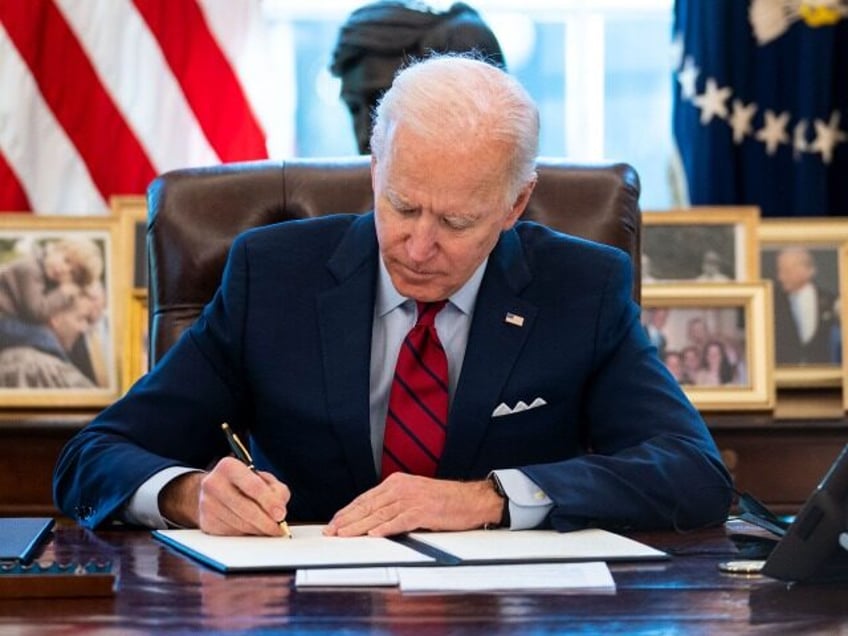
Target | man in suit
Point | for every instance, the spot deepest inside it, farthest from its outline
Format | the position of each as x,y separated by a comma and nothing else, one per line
560,412
805,313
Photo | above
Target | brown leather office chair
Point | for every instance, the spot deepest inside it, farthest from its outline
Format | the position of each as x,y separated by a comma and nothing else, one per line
194,214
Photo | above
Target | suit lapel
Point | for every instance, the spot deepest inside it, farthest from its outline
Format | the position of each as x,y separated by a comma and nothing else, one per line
494,343
345,315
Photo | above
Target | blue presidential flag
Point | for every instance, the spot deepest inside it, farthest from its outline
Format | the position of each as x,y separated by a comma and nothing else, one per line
761,104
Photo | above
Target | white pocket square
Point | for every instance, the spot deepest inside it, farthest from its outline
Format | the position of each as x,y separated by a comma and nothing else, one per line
504,409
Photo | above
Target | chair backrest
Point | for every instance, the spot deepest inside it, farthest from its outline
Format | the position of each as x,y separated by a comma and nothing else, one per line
194,215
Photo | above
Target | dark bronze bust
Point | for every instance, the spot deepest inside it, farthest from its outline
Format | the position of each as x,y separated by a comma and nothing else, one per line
377,39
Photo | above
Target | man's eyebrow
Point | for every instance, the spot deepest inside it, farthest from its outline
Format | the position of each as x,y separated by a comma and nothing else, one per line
398,199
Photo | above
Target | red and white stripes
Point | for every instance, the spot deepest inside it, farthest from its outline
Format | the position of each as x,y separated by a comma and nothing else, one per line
99,96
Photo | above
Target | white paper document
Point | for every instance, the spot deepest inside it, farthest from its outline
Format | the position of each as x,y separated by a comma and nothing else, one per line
307,548
586,577
487,546
347,577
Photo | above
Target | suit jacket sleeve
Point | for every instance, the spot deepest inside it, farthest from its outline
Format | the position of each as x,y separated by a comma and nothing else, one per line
651,461
164,420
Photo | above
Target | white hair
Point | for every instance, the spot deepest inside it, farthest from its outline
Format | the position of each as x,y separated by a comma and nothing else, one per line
457,97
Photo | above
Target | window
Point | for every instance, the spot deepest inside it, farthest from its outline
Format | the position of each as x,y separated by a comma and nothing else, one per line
600,71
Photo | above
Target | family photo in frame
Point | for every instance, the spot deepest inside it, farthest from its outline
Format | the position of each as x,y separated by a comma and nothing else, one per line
716,340
58,323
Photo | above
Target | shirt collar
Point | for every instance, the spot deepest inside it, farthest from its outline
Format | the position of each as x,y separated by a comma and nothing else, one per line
388,298
805,291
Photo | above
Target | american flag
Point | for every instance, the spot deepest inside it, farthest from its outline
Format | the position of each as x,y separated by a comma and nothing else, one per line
97,97
761,104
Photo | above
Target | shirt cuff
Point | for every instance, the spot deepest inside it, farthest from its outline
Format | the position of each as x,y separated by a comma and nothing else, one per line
528,504
143,507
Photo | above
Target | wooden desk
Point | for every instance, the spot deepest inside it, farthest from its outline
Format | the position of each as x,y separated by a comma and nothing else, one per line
160,591
780,457
777,459
30,443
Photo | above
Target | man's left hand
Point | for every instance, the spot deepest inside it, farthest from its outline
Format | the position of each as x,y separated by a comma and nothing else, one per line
403,503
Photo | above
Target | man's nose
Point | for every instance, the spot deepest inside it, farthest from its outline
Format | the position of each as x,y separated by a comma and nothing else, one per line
421,244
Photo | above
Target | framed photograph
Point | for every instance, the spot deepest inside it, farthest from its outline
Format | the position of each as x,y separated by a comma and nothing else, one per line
843,290
136,346
801,256
703,244
131,211
716,340
61,281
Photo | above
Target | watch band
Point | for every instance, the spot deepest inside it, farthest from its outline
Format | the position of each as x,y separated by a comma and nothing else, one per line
498,488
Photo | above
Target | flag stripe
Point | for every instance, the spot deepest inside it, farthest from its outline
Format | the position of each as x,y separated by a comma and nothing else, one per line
91,106
206,77
12,195
56,181
265,66
87,112
131,66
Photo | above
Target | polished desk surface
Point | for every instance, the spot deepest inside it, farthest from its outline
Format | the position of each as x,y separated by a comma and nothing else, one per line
159,591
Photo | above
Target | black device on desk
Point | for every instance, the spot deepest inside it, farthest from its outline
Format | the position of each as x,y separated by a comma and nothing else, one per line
810,549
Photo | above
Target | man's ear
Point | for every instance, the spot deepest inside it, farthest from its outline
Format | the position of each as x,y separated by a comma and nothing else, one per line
519,205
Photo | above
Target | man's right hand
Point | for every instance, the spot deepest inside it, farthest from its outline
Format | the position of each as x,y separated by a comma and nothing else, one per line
229,500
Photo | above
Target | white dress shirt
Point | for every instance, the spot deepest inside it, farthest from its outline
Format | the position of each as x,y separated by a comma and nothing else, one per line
805,311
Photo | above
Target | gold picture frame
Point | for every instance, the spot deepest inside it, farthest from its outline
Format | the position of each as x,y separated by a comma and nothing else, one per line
136,344
843,293
731,319
131,211
59,342
700,244
816,363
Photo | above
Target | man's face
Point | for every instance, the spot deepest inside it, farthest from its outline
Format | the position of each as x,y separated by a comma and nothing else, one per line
439,211
793,270
697,330
362,87
691,360
674,365
659,317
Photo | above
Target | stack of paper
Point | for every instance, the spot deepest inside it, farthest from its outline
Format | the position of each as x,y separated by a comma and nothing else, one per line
589,577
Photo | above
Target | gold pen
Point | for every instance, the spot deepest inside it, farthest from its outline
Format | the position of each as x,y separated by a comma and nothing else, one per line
242,454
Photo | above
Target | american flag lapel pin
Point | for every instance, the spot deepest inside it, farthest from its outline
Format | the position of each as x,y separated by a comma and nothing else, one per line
514,319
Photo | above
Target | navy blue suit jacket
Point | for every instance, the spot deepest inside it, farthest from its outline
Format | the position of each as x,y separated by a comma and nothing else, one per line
282,352
789,349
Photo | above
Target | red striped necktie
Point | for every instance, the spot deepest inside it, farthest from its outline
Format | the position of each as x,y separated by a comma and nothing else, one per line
416,423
